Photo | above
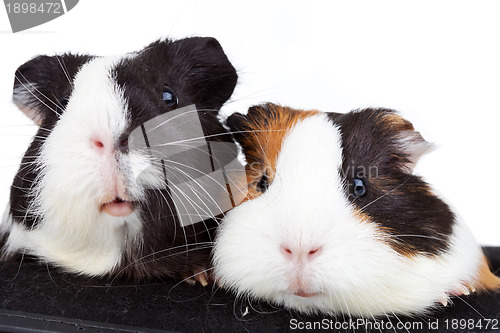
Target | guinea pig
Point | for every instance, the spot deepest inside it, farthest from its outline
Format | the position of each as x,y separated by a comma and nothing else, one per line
75,202
336,222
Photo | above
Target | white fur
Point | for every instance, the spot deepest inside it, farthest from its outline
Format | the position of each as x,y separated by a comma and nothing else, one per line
305,208
77,178
5,222
415,146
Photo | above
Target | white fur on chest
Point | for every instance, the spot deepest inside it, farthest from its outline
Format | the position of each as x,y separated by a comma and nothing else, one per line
91,252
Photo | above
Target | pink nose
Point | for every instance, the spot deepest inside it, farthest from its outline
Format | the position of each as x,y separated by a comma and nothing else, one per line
300,253
97,143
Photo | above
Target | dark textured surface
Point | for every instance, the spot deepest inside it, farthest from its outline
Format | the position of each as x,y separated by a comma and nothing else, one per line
33,288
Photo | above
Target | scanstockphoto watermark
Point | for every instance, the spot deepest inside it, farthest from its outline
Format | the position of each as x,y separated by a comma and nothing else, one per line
26,14
354,325
366,325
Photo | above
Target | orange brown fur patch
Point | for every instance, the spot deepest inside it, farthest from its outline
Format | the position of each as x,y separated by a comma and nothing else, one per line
485,279
262,135
394,122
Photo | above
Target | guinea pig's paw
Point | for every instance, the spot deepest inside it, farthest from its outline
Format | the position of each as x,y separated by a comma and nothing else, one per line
461,290
199,276
443,301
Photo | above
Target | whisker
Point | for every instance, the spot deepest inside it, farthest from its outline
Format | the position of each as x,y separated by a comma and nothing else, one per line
38,91
419,236
166,121
389,319
142,259
202,187
64,69
385,194
470,306
216,135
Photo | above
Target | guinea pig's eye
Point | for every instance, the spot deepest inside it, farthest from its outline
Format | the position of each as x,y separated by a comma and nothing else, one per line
263,184
359,188
61,105
169,97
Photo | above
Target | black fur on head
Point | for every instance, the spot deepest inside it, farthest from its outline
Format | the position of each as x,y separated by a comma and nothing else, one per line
196,69
381,148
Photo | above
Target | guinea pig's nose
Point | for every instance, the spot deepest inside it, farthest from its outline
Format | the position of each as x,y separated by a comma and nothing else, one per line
123,143
307,253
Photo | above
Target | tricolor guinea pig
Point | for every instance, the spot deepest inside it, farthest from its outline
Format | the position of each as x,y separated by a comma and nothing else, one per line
336,221
75,201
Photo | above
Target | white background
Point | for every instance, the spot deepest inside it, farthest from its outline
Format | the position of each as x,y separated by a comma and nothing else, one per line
438,62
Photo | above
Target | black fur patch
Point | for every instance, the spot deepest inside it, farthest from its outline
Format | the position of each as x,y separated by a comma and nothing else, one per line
401,203
196,69
168,249
39,85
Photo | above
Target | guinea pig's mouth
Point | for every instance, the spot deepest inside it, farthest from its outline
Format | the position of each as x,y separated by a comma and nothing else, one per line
302,293
118,207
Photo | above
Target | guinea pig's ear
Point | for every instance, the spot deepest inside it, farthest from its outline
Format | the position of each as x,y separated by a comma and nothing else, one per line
404,141
259,117
238,125
263,112
42,84
412,145
381,136
243,127
407,143
212,78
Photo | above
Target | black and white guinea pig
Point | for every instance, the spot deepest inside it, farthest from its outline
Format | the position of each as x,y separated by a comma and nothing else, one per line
336,222
75,202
